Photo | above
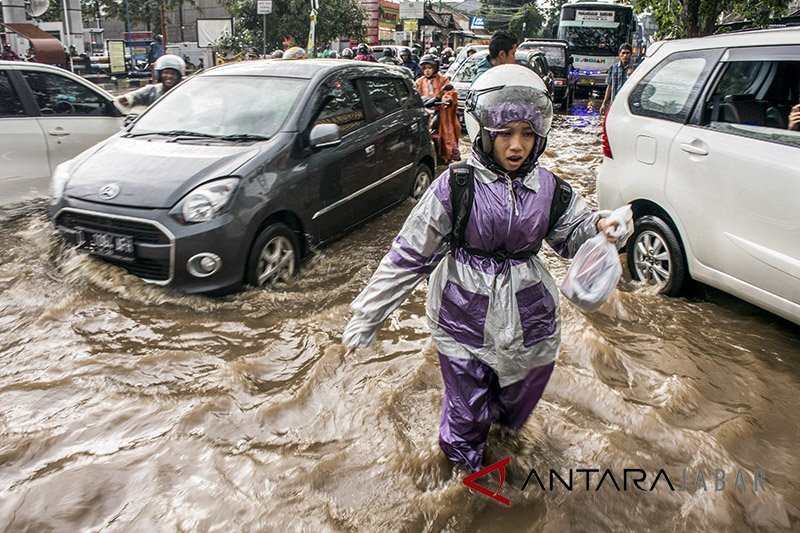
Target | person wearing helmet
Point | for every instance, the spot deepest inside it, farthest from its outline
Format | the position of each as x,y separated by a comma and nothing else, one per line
493,306
169,70
433,51
447,56
251,54
432,85
407,61
277,54
388,57
295,52
363,54
347,53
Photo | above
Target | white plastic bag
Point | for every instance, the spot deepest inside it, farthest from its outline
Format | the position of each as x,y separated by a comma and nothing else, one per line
624,218
593,274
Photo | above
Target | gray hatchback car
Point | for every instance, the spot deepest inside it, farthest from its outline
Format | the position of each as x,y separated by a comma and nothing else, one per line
231,176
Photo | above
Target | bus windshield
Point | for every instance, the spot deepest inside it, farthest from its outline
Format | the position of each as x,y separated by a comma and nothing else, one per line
596,28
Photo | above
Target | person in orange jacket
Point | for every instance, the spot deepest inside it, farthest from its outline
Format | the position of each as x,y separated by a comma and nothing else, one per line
432,84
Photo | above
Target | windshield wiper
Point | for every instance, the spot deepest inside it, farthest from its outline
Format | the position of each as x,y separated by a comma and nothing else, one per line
172,133
243,137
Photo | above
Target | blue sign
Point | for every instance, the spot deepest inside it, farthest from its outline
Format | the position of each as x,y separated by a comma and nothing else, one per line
477,23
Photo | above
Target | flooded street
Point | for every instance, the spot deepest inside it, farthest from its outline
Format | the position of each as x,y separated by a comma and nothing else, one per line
128,407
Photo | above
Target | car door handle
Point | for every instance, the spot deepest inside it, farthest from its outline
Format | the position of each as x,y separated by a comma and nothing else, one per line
370,150
58,132
692,149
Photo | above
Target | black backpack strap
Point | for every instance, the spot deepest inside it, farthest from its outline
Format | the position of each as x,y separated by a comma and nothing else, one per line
562,195
462,192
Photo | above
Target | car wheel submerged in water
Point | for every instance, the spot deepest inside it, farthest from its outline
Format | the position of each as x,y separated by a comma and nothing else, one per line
655,256
422,180
275,256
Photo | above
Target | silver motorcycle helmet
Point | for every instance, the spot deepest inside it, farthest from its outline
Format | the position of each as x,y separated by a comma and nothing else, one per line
505,94
169,61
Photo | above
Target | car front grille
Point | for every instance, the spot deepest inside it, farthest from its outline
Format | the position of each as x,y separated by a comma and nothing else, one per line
156,269
143,232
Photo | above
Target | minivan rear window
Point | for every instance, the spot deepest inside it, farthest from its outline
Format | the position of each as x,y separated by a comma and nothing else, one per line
670,89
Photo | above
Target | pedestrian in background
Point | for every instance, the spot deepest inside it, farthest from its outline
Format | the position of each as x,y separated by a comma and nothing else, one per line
502,51
9,54
617,76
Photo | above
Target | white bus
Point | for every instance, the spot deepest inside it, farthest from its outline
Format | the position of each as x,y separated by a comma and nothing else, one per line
595,31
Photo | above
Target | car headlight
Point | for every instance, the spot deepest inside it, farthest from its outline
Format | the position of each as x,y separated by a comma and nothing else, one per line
58,181
206,201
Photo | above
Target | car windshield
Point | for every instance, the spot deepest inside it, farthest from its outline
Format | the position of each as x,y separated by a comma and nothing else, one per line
466,72
216,106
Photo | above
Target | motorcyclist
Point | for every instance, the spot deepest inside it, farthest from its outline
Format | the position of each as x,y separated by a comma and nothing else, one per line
277,54
447,56
388,57
347,53
363,54
295,52
432,84
169,70
409,63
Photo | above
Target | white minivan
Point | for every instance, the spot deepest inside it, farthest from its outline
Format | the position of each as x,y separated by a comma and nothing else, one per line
698,141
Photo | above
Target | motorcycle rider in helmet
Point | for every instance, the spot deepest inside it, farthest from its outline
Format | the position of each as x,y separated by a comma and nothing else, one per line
169,70
432,84
388,57
363,54
494,318
277,54
407,61
347,53
295,52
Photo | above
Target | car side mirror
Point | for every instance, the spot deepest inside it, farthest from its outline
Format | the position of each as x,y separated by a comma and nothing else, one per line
129,119
323,135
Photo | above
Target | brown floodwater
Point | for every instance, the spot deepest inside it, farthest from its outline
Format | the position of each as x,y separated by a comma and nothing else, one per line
128,407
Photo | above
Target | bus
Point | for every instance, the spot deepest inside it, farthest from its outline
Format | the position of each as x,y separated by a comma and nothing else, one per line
595,31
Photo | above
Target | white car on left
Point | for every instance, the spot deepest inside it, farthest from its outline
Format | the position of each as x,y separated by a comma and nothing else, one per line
47,116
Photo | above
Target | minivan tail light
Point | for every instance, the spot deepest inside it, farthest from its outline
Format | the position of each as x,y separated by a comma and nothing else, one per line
606,146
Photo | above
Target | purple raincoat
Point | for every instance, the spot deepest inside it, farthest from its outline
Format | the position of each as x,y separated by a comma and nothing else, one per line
484,314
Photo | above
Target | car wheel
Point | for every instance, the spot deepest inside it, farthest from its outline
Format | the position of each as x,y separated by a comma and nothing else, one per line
655,256
274,257
423,177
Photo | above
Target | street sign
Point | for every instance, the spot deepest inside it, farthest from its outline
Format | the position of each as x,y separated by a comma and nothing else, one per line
477,23
412,10
264,7
410,25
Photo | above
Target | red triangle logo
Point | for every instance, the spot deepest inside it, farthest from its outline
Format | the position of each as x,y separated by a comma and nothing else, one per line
469,481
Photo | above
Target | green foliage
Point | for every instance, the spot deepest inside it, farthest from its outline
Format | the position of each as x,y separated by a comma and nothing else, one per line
552,15
695,18
527,22
498,13
290,20
142,12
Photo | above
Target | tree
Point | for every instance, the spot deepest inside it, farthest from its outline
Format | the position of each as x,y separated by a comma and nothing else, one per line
527,22
289,20
498,13
145,12
553,14
695,18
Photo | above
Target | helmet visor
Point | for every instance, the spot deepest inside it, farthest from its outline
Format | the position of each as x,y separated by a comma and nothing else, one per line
496,107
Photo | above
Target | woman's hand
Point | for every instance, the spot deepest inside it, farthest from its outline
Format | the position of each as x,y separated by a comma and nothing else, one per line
606,227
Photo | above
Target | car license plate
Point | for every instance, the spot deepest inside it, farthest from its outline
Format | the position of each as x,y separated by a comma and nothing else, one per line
109,245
